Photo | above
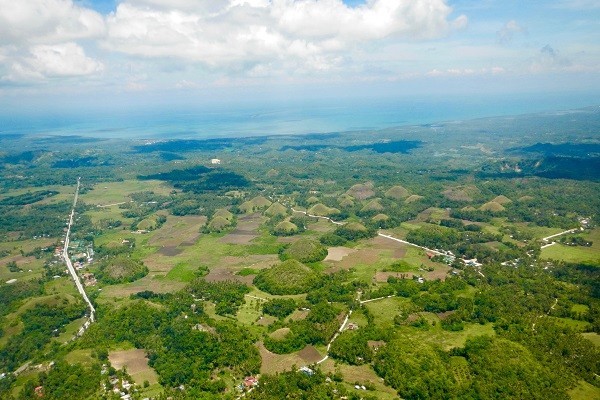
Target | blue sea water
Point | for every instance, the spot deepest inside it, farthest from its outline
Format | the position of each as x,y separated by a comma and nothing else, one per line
271,118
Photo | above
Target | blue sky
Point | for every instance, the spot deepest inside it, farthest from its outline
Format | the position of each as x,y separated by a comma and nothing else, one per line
99,52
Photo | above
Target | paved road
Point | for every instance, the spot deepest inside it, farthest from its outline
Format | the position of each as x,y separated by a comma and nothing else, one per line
318,216
68,260
439,253
379,233
561,233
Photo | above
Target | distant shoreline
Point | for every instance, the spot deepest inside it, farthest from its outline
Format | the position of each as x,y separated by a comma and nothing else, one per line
161,129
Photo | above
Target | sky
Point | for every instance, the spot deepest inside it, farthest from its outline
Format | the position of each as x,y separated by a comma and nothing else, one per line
104,53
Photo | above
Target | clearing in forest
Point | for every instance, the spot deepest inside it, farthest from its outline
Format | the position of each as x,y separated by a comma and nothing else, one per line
136,362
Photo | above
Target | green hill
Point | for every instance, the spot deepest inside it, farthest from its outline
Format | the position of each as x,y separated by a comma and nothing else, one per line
355,226
306,251
345,201
289,277
256,204
373,205
312,200
380,217
502,200
121,269
322,210
285,228
361,191
413,198
217,224
492,206
276,209
223,213
397,192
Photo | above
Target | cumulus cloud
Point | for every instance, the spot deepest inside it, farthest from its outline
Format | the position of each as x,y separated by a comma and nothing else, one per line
47,21
52,61
42,39
549,59
38,39
512,27
244,33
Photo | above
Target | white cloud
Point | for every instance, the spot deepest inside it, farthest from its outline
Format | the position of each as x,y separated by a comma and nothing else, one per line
549,59
53,61
38,39
512,27
465,72
241,34
47,21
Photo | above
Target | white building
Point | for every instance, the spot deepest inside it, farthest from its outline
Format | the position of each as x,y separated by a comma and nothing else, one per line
215,161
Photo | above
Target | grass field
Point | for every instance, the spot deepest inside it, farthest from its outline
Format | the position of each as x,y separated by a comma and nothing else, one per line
66,192
538,232
272,363
592,337
585,391
117,192
26,245
250,311
112,212
576,253
30,266
448,340
574,324
385,310
80,356
70,330
361,375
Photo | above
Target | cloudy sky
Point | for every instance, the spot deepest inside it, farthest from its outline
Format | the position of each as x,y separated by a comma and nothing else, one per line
229,48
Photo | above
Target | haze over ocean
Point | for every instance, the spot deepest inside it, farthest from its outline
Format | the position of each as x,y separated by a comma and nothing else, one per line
273,118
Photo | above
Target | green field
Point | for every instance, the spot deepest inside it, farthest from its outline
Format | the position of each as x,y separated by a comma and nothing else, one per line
576,253
585,391
116,192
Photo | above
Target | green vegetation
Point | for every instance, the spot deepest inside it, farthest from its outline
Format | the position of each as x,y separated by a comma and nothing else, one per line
121,269
288,277
279,308
305,251
208,272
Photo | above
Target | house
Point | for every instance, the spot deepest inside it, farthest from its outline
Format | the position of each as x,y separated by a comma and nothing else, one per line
307,371
215,161
473,263
39,391
250,381
352,326
89,279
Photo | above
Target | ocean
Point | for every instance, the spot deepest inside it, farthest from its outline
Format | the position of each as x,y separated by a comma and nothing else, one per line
243,119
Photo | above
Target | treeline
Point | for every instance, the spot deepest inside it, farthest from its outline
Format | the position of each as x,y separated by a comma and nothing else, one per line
27,198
